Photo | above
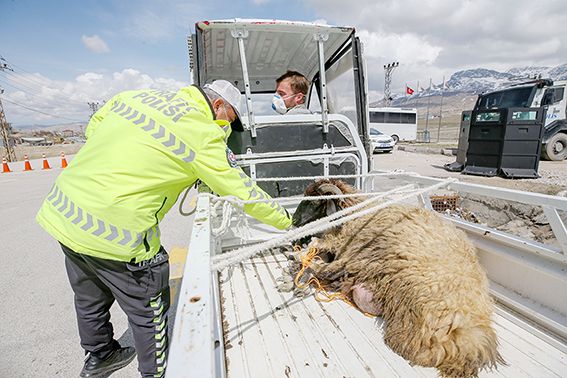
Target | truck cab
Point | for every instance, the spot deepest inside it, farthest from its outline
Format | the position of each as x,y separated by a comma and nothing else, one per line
534,94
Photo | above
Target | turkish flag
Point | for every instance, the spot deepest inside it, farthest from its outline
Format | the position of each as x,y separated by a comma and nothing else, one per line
409,90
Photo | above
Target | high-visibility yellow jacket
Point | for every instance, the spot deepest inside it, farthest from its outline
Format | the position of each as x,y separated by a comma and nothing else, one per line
143,148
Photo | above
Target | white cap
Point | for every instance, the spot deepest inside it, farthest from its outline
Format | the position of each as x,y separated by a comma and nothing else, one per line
230,94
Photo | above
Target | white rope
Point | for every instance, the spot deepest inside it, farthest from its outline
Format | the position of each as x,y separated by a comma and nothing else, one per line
225,218
234,257
237,201
301,178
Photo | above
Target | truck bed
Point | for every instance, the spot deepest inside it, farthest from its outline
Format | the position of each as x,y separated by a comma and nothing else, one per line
236,323
268,333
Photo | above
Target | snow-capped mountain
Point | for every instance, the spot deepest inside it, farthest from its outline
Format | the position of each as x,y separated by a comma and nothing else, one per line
559,72
479,80
482,80
470,83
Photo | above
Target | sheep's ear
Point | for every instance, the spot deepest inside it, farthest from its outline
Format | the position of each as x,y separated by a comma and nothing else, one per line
331,207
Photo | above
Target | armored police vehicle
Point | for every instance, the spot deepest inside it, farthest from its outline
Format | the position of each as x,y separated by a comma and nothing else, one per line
533,94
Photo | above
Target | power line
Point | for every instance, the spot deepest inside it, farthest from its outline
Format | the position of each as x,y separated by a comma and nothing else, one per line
20,76
39,111
36,95
18,67
40,96
16,76
36,91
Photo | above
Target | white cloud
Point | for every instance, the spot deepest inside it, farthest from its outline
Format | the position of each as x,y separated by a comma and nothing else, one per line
433,38
95,44
260,2
398,47
68,99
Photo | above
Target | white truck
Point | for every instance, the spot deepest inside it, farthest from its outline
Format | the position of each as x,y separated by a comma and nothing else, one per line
544,93
235,323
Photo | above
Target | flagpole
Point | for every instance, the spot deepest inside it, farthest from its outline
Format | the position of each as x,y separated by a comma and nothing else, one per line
427,113
417,102
416,97
440,111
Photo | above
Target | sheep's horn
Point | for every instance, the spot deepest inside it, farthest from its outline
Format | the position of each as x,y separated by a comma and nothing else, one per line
329,189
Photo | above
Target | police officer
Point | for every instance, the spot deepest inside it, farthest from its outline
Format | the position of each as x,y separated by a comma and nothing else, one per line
143,148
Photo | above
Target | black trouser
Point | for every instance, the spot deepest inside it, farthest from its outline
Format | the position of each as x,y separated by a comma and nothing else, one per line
141,291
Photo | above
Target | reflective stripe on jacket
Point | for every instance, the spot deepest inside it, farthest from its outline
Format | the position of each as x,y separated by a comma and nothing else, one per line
143,148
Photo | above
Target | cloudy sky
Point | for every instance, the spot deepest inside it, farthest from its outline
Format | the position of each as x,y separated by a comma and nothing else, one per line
66,53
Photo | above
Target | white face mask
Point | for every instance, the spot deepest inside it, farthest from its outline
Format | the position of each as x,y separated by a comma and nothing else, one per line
278,104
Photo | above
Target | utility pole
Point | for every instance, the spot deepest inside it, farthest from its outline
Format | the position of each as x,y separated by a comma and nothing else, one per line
388,68
5,131
94,107
4,126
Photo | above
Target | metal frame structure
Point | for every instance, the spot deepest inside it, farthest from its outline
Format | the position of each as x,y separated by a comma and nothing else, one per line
321,38
239,30
240,34
388,69
194,329
324,151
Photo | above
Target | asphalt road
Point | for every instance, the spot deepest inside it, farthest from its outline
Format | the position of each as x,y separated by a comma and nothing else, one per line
38,327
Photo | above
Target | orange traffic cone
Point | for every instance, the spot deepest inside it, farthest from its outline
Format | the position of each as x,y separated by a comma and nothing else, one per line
27,165
45,163
63,160
5,166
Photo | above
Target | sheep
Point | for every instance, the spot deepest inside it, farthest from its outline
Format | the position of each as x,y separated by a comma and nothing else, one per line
418,272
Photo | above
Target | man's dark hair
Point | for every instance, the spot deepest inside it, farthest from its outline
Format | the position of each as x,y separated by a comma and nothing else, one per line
298,82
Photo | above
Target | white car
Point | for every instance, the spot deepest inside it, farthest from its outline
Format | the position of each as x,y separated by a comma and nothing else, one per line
381,142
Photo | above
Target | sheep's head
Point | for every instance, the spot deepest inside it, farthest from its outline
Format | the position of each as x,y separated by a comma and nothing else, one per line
309,211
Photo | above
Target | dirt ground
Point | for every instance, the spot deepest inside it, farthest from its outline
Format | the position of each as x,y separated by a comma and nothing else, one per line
553,174
35,152
513,217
